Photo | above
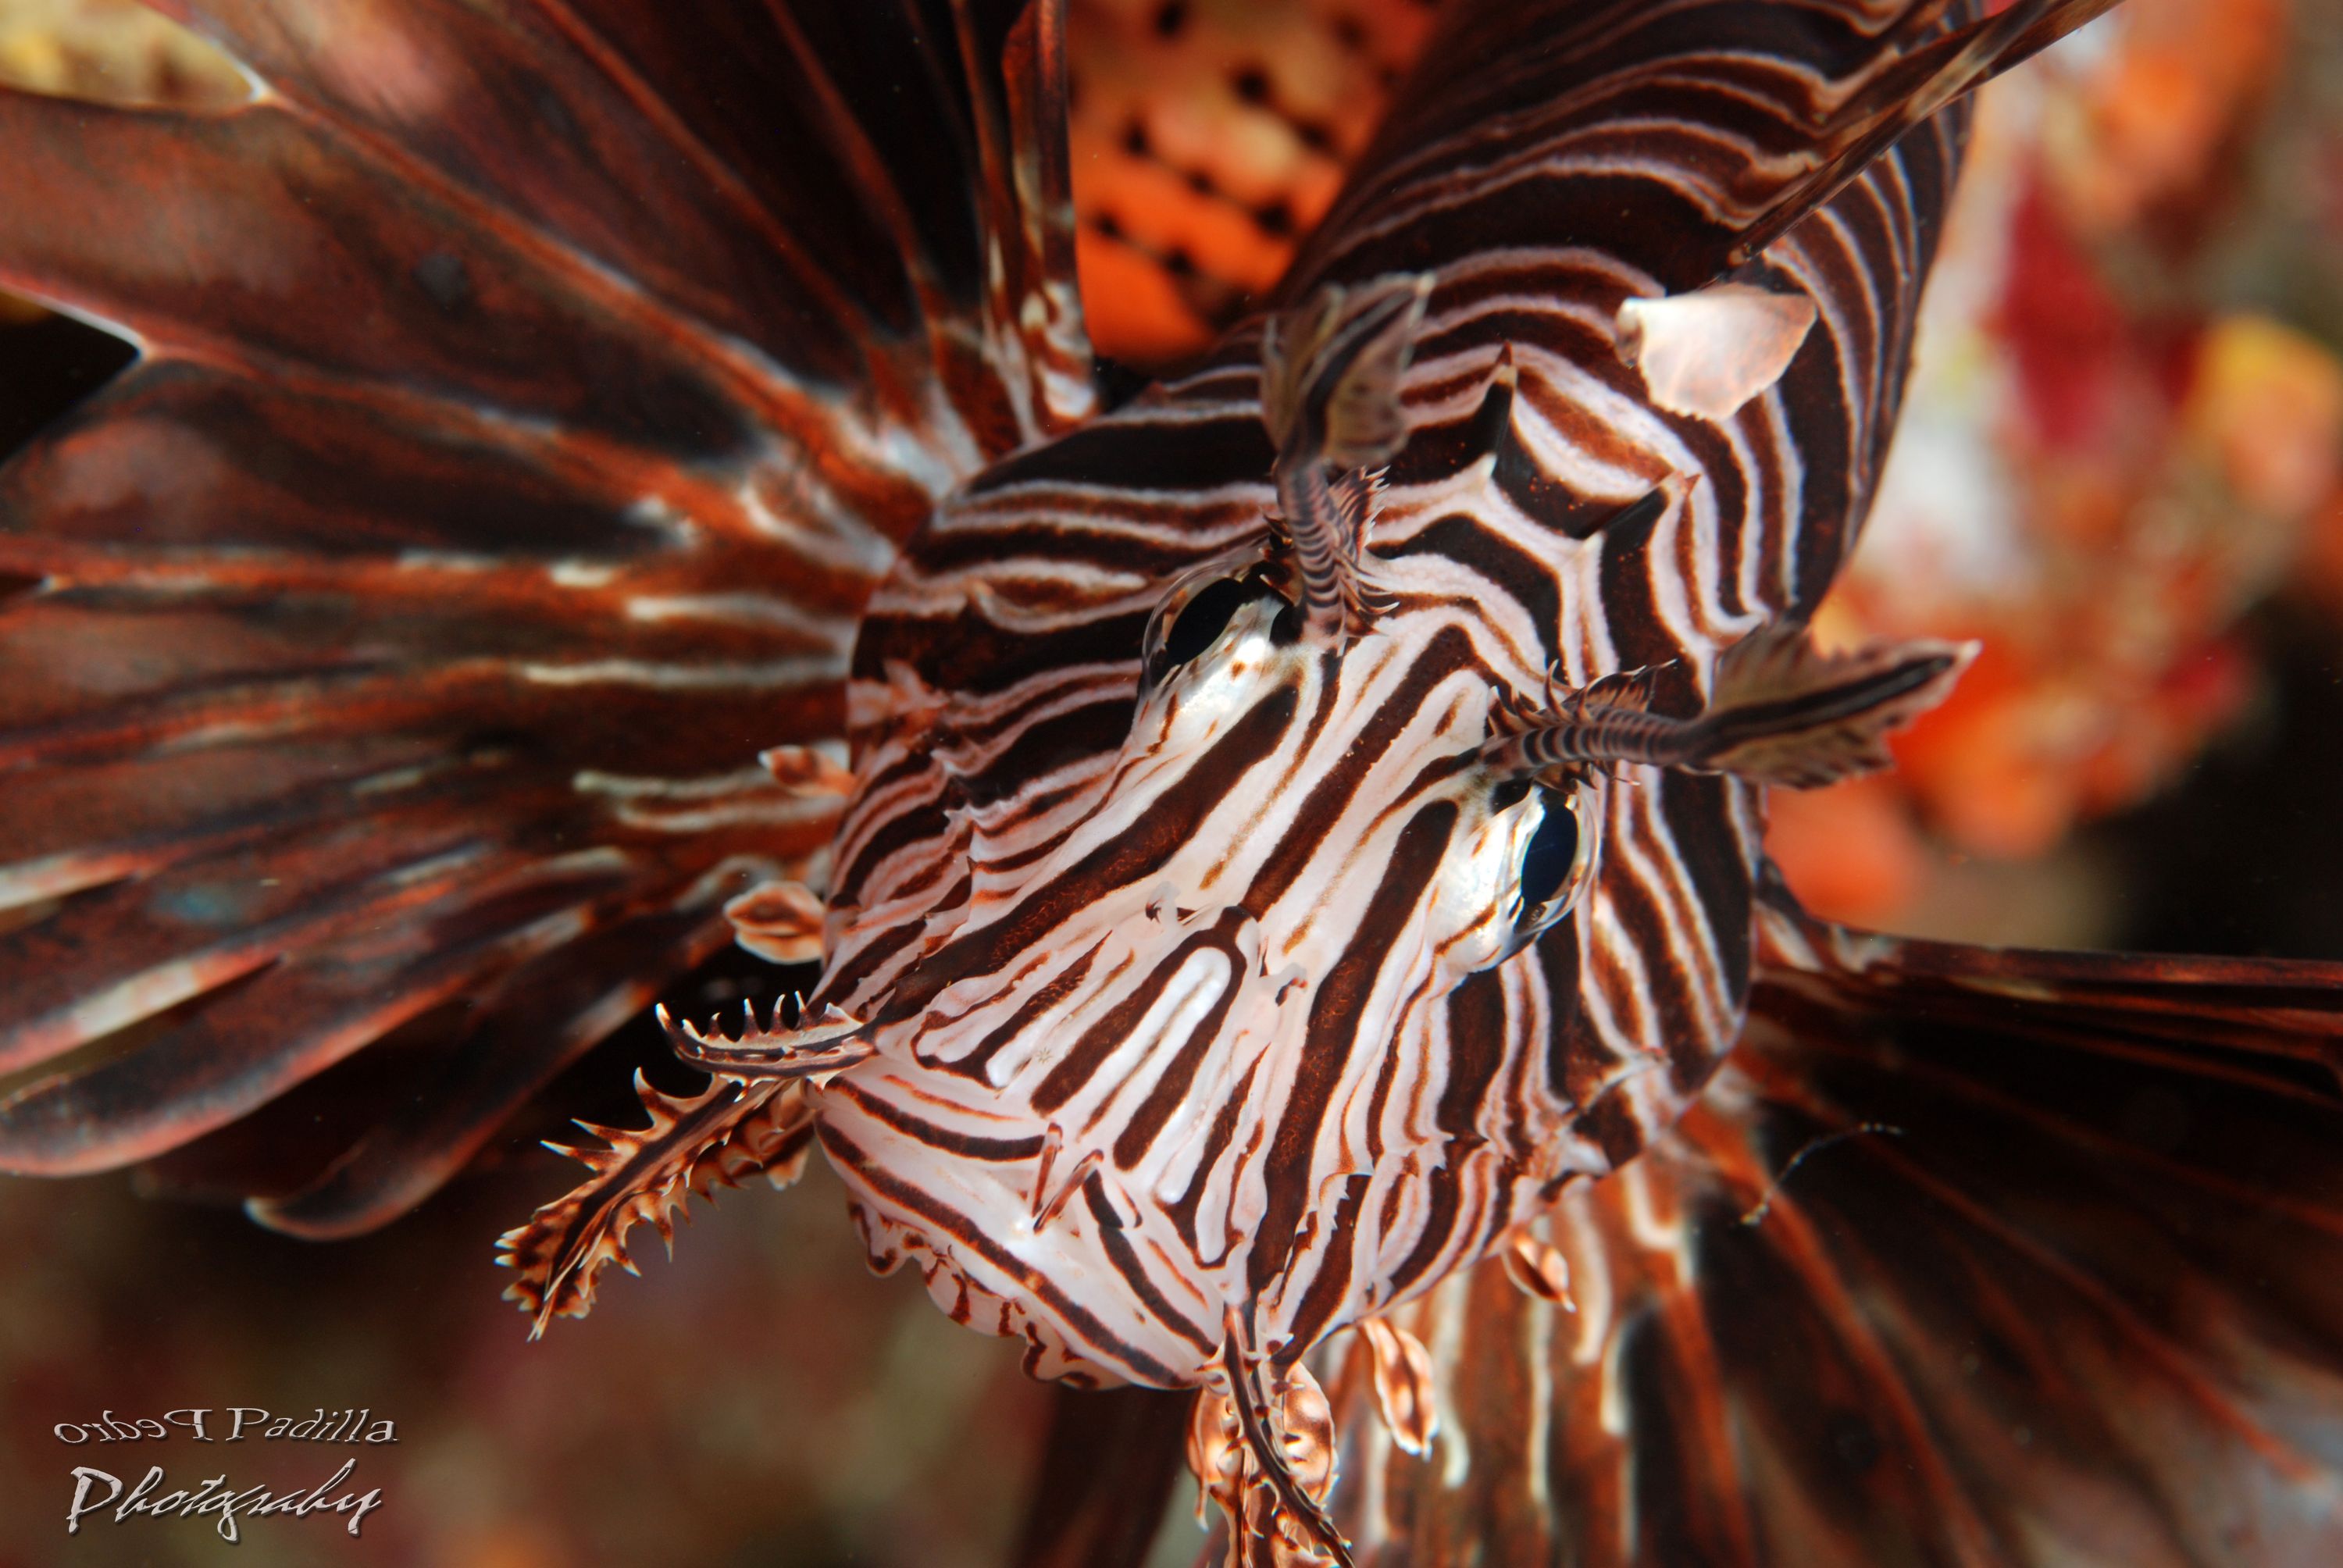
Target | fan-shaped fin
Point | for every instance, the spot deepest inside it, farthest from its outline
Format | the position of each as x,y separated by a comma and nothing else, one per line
1967,1256
529,398
1105,1476
515,1035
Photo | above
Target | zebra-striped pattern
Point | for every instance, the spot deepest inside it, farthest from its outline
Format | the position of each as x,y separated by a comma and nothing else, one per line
1186,999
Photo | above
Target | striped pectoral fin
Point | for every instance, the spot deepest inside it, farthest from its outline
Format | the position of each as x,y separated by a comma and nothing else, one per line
1966,1256
646,1175
341,632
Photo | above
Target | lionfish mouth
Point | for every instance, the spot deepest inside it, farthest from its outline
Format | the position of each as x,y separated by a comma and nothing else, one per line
602,482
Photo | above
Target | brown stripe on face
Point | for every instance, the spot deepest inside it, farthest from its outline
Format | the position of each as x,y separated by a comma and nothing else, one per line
1815,397
917,826
1699,813
1477,1021
1638,635
969,1236
1171,821
1138,1135
1760,533
1042,1001
1110,1030
1411,1172
1046,744
1385,1076
1216,1144
1528,582
1670,975
1334,1033
1700,563
1332,1281
1612,1127
1449,652
869,958
1578,1060
1586,429
1442,1192
1119,1254
1329,691
962,1144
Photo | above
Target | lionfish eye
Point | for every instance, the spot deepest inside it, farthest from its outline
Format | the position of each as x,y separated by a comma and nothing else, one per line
1194,614
1557,862
1201,623
1552,851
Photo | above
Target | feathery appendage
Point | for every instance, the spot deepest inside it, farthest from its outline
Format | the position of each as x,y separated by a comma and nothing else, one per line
646,1175
1330,371
1780,712
791,1044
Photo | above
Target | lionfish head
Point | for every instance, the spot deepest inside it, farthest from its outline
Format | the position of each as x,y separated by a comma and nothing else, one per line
1158,1040
1194,1042
1186,1003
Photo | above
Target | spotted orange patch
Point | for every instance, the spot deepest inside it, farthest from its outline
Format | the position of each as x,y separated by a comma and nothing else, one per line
1208,135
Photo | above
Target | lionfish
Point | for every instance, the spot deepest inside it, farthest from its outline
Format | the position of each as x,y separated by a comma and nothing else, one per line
1282,845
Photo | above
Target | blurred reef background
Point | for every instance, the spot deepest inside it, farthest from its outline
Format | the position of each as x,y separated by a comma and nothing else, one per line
2121,466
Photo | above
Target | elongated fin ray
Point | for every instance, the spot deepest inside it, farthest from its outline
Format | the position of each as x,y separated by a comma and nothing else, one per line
1900,92
517,435
1104,1476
